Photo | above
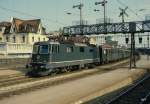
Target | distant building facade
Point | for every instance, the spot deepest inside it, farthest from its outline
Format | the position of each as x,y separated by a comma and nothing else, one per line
141,40
18,36
24,31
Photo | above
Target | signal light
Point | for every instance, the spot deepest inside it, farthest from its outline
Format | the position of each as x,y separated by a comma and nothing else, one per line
140,40
127,40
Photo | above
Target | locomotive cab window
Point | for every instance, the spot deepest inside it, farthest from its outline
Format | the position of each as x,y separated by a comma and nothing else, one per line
35,49
81,49
44,49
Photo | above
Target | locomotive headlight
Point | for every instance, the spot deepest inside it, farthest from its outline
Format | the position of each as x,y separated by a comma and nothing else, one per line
44,61
42,66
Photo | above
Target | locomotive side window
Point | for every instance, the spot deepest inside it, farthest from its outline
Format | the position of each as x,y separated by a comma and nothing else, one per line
55,49
81,49
91,50
35,49
69,49
44,49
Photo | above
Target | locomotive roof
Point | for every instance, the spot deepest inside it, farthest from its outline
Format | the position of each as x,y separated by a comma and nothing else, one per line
47,42
56,42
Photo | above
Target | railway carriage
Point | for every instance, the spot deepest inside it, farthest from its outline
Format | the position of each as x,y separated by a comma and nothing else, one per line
52,57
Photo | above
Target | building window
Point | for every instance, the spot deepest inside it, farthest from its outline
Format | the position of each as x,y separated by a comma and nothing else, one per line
69,49
14,39
32,39
43,39
14,29
32,29
39,39
23,39
0,38
7,39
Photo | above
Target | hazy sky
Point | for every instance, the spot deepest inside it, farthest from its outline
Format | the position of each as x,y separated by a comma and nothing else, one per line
53,12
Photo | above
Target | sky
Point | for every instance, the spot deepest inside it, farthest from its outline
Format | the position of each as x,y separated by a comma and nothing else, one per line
53,12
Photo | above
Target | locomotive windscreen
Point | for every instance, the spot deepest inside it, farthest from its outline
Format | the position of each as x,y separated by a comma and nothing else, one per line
44,49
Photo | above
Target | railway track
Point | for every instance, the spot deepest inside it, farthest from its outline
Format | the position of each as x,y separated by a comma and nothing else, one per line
137,94
21,78
16,84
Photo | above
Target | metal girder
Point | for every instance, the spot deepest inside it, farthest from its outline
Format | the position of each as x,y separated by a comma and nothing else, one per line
111,28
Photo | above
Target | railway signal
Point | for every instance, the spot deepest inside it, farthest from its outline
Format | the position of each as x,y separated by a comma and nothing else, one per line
140,40
127,40
123,14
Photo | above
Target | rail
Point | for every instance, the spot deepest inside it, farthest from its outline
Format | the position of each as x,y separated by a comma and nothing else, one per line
129,90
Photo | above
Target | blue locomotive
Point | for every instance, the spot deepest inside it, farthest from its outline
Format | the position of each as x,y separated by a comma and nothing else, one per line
53,57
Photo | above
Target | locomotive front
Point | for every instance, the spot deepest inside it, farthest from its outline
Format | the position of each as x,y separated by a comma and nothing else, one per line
39,59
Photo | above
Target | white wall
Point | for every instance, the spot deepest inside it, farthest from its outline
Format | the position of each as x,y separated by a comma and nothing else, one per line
100,39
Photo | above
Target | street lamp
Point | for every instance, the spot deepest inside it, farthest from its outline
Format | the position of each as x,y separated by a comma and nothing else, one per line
103,3
68,13
148,46
80,6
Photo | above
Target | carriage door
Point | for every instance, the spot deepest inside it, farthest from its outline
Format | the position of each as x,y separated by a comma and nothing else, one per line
100,55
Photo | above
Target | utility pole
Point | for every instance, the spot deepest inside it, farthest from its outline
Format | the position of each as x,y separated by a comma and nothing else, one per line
132,29
80,6
103,3
148,45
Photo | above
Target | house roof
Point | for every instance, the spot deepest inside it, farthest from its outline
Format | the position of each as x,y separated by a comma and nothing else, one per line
7,26
107,46
26,25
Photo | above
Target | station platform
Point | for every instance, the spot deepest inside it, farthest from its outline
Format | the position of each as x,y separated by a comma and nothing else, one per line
83,89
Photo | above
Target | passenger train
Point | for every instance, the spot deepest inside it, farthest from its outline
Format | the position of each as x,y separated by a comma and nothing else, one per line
54,57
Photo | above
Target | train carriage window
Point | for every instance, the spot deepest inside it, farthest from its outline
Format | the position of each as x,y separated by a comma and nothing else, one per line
69,49
81,49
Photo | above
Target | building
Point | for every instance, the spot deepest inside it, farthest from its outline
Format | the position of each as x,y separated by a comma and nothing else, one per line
24,31
3,26
141,40
97,39
19,35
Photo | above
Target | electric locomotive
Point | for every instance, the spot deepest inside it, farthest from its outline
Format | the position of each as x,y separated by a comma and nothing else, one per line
49,57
